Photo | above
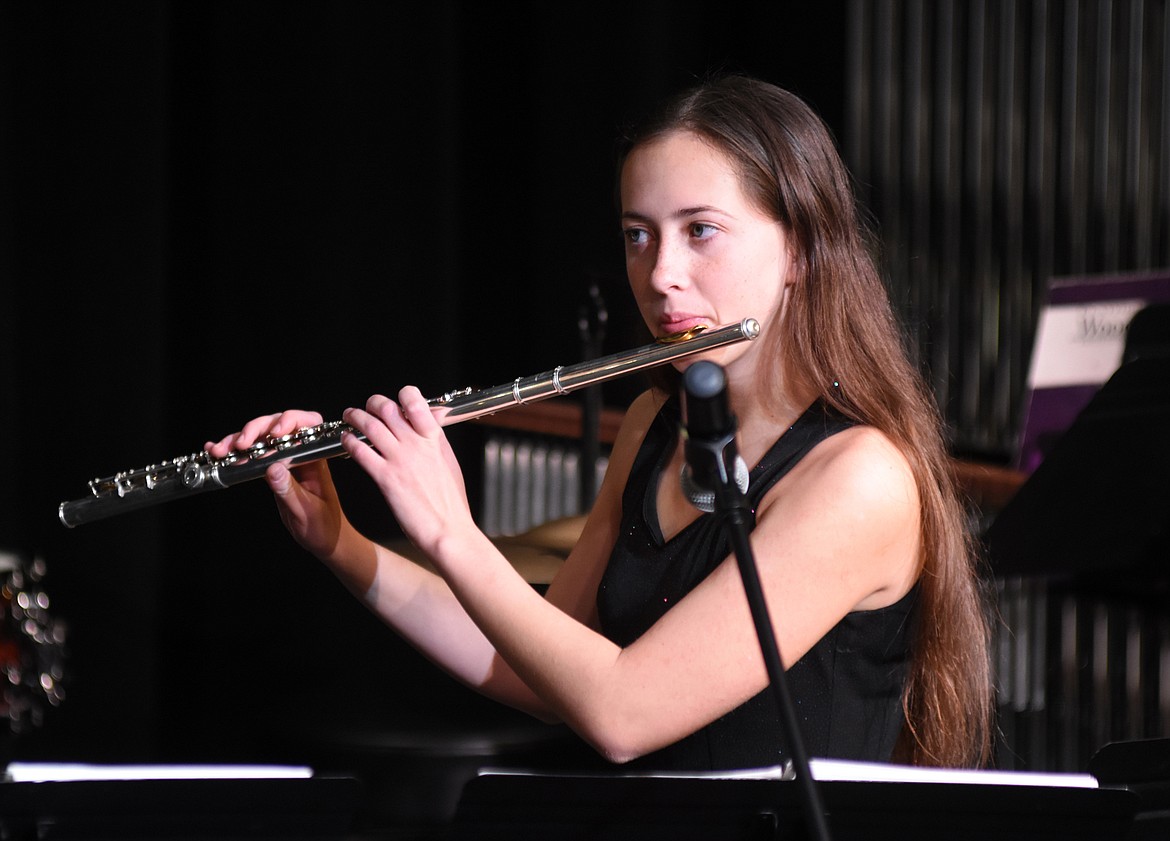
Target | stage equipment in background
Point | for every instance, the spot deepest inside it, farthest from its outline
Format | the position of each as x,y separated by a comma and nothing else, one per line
591,324
1082,550
1080,342
32,647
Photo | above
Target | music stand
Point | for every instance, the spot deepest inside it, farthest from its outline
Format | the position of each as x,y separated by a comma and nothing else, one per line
523,807
189,809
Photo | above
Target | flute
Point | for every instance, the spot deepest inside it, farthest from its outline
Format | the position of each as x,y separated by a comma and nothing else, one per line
198,472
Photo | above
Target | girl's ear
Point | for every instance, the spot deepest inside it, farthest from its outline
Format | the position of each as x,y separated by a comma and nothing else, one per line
792,272
791,256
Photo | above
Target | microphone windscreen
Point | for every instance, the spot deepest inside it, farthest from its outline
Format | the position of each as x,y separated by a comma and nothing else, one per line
706,407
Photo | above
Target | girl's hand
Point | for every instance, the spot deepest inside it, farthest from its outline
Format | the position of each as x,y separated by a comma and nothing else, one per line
409,458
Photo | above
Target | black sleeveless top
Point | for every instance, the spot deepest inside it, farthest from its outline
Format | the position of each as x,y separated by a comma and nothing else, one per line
846,690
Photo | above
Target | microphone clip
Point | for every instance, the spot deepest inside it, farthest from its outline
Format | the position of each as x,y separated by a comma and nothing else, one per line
704,498
714,477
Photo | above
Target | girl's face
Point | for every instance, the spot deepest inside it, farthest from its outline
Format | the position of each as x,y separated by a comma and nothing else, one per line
698,250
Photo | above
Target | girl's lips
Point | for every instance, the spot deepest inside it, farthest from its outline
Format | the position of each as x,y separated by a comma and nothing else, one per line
680,323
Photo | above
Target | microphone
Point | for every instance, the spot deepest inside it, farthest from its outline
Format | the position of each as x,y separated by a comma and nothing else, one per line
712,461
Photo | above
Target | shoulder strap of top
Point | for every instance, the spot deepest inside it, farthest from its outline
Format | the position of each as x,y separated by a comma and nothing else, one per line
818,423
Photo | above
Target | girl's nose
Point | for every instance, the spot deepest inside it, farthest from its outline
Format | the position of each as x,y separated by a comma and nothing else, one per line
670,267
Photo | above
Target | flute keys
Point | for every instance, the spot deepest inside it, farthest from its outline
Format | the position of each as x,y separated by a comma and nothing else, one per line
444,399
309,434
193,475
284,442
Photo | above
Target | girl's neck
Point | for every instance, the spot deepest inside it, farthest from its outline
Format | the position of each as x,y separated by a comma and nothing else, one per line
764,412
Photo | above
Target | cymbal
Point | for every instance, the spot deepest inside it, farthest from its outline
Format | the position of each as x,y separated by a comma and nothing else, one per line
536,554
535,564
557,535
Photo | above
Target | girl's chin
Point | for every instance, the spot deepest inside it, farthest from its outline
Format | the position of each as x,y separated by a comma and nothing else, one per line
715,356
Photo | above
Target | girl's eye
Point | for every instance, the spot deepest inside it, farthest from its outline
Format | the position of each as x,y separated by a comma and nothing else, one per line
634,236
701,230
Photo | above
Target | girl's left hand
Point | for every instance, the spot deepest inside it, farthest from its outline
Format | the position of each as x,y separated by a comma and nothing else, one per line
409,458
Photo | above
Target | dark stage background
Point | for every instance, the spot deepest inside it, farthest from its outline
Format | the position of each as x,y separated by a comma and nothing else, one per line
210,210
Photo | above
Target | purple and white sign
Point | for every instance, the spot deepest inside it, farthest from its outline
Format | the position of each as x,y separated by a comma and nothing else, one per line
1080,339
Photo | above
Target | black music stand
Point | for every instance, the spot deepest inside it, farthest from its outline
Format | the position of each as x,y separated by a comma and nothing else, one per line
313,809
1099,503
1143,767
519,807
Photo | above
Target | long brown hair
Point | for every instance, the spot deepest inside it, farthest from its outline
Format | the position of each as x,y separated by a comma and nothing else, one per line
842,340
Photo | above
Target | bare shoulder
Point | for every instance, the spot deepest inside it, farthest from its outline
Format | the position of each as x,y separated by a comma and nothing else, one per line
636,422
853,503
643,410
859,465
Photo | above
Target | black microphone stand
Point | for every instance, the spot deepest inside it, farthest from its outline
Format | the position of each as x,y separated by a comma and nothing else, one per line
731,506
591,321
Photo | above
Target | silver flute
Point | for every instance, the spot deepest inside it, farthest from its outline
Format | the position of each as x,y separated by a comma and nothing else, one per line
199,472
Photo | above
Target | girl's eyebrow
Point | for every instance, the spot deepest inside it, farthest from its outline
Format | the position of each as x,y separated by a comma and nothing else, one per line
681,213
